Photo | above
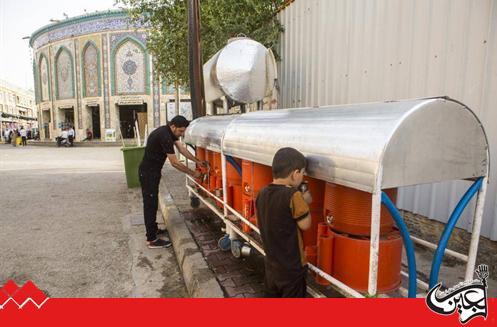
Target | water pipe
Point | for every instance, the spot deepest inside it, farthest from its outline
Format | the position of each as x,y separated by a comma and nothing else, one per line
449,227
234,164
411,259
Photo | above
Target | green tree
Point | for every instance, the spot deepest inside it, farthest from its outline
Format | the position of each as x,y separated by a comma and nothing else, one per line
220,20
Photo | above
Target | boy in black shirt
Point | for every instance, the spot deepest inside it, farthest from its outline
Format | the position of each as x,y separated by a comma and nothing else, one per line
282,212
160,146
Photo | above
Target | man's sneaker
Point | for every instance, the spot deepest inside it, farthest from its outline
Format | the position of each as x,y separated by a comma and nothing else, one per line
158,244
162,232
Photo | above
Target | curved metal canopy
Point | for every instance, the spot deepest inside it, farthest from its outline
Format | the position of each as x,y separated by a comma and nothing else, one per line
366,146
207,132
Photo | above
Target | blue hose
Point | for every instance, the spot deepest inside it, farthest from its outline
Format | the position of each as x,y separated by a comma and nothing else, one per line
411,259
234,164
444,239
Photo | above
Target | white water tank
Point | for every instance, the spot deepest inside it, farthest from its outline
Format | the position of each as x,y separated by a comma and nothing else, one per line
244,70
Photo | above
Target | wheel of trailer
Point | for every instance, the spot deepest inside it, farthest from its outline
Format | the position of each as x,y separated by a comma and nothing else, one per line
236,248
194,202
224,243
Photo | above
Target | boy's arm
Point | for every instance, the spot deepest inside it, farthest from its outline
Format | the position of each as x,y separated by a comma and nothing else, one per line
300,211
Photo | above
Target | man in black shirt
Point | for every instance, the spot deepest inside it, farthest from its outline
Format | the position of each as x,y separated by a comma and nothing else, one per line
160,146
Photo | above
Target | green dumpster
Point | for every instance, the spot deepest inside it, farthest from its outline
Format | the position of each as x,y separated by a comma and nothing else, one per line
133,156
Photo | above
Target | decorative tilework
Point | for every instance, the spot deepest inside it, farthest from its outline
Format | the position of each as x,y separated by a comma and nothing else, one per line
52,84
36,82
64,74
129,68
116,38
106,80
44,81
78,86
84,25
91,67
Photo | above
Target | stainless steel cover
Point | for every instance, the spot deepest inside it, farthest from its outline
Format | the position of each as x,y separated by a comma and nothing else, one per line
208,131
413,141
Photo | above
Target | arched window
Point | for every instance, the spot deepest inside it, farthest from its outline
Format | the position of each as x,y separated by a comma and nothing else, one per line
44,81
91,71
64,74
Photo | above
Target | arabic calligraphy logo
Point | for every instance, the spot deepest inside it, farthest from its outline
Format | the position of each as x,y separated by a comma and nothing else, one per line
469,298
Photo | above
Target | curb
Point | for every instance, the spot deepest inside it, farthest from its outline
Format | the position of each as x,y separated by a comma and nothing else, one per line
199,279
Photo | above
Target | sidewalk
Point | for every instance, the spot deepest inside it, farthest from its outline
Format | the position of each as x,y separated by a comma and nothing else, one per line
207,271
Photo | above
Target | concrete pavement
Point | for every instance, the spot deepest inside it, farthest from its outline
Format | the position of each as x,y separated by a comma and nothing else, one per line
69,224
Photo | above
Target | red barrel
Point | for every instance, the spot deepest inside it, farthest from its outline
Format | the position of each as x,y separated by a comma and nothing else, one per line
322,230
325,257
200,153
351,210
316,187
237,198
254,178
351,261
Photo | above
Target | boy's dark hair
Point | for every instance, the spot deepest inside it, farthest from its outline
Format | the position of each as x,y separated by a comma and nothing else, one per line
287,160
179,121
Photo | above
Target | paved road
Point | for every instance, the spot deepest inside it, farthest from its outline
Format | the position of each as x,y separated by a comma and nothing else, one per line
69,223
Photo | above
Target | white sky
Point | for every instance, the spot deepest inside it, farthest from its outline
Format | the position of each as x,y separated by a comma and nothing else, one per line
20,18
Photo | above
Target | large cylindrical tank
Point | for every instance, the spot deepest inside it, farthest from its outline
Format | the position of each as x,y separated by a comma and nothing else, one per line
351,261
350,210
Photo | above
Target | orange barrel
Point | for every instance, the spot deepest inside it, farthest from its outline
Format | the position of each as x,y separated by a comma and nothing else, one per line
212,182
255,177
232,175
351,261
311,255
247,211
247,177
351,210
209,156
325,257
263,176
309,237
316,187
237,198
219,181
323,229
216,158
233,182
246,228
230,196
200,153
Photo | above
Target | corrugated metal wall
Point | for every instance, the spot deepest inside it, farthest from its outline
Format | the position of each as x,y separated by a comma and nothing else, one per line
350,51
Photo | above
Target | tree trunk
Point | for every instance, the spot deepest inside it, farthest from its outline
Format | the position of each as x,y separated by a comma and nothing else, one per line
176,97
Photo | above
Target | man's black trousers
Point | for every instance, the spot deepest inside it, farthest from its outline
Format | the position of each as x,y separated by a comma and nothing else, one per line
149,180
282,284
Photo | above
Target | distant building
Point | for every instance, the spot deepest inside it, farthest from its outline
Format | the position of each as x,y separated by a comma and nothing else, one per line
94,71
17,107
